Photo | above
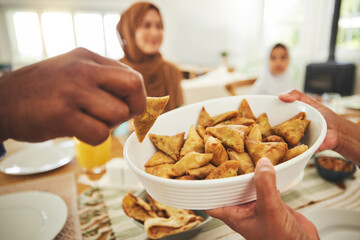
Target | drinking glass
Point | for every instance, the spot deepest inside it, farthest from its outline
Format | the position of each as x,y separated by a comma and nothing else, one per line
92,159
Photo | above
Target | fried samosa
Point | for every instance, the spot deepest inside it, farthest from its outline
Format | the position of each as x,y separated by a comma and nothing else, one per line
190,161
293,129
202,172
263,122
223,117
193,143
159,158
170,145
246,164
245,110
231,135
255,133
204,119
295,151
274,151
143,122
214,146
239,121
226,169
163,170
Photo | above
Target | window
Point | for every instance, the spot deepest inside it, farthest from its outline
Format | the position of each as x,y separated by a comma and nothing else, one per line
27,32
348,37
40,35
58,33
283,21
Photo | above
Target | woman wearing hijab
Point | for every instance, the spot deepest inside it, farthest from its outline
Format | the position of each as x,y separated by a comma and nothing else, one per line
276,77
141,33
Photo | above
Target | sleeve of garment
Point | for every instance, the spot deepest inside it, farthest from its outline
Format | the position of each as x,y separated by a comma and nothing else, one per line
2,150
258,87
177,91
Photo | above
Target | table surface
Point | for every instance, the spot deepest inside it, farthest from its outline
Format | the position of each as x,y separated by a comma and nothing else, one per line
308,201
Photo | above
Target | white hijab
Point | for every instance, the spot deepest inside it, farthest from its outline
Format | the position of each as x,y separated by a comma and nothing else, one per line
270,84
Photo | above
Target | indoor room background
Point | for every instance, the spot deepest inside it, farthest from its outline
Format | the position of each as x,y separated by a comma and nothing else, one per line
196,32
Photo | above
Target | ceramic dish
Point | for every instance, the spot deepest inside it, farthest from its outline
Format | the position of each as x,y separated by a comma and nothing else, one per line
335,224
38,158
208,194
331,174
31,215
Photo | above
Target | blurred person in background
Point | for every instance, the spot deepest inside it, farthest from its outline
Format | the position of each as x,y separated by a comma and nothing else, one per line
141,33
276,76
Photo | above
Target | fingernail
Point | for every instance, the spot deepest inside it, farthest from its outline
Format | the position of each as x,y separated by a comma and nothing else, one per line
264,163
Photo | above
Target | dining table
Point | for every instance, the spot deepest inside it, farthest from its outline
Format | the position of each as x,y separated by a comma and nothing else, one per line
94,205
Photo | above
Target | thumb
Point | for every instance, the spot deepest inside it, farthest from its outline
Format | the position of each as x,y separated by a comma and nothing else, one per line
268,197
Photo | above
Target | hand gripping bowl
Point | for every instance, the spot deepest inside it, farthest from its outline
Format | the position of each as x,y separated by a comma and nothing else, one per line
209,194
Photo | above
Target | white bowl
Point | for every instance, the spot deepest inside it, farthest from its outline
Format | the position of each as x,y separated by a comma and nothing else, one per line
209,194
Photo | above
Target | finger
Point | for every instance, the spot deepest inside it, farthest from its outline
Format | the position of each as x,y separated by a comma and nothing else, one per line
304,222
124,83
87,54
296,95
103,106
239,211
268,197
86,128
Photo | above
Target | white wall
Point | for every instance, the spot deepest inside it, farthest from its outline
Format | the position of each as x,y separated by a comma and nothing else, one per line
197,31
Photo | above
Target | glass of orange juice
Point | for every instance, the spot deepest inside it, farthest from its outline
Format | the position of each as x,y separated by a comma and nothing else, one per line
93,158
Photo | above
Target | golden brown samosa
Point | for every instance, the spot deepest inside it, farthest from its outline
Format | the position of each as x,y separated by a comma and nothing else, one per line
190,161
295,151
255,133
193,143
214,146
239,121
143,122
202,132
293,129
163,170
245,110
202,172
204,118
274,151
223,117
264,125
273,138
170,145
226,169
159,158
246,164
231,135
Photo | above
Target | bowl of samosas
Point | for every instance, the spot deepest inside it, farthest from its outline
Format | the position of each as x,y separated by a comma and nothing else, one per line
161,221
203,155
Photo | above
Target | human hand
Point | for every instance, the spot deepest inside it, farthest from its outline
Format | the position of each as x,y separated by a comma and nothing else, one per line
267,217
77,94
332,119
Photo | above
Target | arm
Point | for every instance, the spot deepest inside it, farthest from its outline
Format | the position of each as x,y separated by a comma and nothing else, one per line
342,135
75,94
268,217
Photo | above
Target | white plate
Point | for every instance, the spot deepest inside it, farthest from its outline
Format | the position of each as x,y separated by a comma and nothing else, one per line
38,158
31,215
335,224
